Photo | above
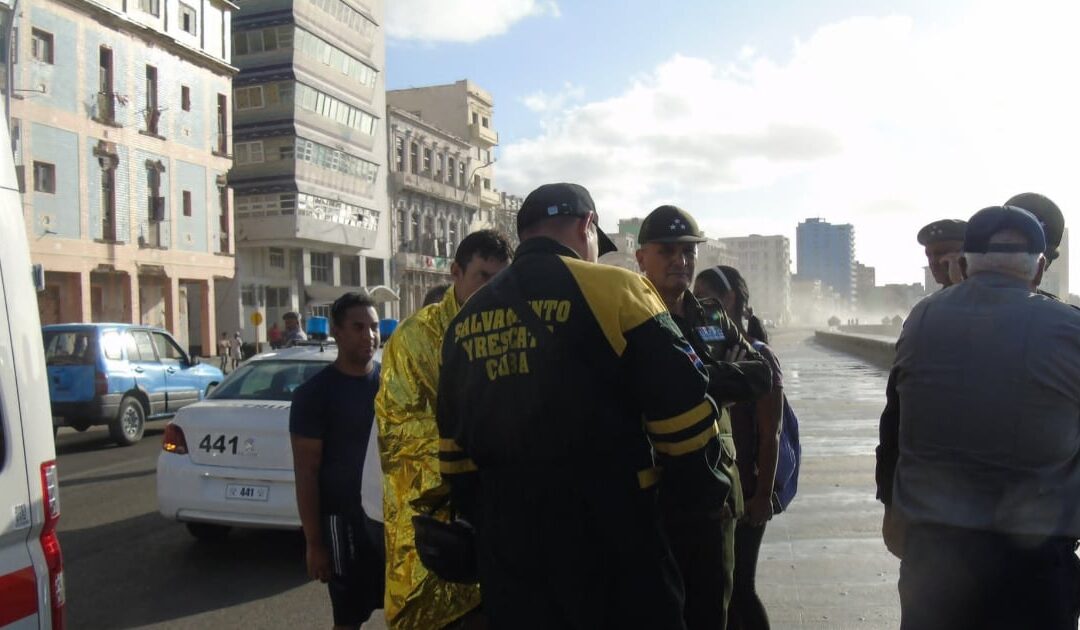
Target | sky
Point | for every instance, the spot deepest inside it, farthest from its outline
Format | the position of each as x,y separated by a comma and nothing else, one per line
754,116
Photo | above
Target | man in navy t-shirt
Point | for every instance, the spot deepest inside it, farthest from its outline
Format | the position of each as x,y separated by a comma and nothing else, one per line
330,423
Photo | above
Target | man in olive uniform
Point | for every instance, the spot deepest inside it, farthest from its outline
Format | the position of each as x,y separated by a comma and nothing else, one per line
1053,223
704,543
943,242
561,381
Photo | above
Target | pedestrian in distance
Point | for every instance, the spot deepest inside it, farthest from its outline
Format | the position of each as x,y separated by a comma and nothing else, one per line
274,336
988,473
293,331
236,350
405,411
330,423
756,427
548,373
703,541
224,348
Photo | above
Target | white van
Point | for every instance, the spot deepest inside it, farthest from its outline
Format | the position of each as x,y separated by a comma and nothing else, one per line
31,568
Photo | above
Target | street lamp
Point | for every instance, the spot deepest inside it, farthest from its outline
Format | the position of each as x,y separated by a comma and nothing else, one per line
468,180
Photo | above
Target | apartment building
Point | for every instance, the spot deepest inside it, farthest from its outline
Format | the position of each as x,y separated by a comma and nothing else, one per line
765,263
431,206
465,110
309,179
119,130
826,252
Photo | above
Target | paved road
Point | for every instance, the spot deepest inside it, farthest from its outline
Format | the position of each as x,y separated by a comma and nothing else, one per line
822,564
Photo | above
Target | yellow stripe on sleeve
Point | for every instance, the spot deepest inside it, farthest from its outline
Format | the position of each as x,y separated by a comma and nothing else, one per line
688,445
682,421
448,445
457,467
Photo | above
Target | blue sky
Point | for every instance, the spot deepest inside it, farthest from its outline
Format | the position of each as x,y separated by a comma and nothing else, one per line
754,116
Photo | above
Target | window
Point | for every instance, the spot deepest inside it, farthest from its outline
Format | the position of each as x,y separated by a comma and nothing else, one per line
374,267
153,113
438,166
44,177
188,19
248,97
145,346
277,257
475,118
248,152
278,297
167,349
450,170
41,45
461,175
222,124
427,161
312,100
484,122
414,152
185,98
153,7
399,151
287,152
350,271
186,198
487,184
321,266
108,199
247,295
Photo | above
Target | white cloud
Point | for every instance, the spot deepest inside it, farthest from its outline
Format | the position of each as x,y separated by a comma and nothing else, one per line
881,122
543,103
460,20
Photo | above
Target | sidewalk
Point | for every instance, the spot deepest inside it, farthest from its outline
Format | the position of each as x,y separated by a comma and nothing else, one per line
823,564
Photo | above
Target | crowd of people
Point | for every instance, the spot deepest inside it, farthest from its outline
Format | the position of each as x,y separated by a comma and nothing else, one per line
556,443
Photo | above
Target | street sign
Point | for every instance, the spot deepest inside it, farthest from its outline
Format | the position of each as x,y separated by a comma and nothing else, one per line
256,318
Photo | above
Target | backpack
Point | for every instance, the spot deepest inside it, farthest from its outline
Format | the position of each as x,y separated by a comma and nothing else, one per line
788,459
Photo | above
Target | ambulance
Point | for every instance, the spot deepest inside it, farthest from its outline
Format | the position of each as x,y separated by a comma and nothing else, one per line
31,568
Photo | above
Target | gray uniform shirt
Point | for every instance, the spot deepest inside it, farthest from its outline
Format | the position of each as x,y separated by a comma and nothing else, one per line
988,377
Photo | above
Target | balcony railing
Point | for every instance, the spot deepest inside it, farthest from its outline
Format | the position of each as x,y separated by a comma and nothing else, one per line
483,134
105,107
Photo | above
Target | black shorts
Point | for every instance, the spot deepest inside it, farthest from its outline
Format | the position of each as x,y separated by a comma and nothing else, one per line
357,569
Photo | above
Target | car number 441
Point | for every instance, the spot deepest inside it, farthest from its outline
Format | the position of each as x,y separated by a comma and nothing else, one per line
222,444
247,493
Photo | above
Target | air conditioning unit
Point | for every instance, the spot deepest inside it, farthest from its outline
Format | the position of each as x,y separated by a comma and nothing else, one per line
157,209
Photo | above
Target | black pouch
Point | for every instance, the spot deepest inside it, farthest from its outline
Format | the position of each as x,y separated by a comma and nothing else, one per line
446,548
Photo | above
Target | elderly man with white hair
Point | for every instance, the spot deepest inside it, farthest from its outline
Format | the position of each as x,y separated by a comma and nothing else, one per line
988,476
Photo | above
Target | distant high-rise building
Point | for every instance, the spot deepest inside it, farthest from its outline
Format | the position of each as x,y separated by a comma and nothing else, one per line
309,140
765,263
630,226
865,281
826,252
1056,278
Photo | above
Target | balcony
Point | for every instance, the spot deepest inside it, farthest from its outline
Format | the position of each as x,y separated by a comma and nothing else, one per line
410,181
317,225
408,261
489,198
483,135
105,108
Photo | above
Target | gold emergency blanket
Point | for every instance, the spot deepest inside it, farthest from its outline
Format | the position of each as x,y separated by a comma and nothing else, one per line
409,451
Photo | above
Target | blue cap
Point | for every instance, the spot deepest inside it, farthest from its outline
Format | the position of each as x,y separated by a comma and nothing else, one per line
987,222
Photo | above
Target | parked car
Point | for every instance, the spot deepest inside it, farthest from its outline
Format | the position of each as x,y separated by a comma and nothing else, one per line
31,565
227,461
120,375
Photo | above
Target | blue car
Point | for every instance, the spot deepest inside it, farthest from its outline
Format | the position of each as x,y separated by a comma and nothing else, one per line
120,375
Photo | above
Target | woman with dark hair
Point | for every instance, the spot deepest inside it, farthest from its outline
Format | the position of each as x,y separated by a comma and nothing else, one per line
756,428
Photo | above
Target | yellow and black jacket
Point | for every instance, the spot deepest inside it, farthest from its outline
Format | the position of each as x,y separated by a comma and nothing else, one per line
409,451
548,441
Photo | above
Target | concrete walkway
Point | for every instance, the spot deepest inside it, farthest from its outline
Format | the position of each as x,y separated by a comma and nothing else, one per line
823,564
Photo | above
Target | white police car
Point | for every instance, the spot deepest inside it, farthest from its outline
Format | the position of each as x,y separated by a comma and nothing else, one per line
227,461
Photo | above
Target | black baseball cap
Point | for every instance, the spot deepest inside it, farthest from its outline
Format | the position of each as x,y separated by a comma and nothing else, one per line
943,230
670,224
1048,213
561,200
989,221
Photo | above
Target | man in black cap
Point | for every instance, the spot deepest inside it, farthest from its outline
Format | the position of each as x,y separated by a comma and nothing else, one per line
988,378
549,373
944,242
704,543
1053,223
